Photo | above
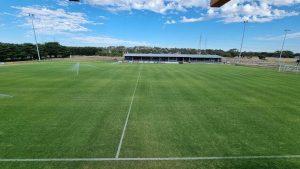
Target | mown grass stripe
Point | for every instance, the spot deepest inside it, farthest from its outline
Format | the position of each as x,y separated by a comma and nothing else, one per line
128,114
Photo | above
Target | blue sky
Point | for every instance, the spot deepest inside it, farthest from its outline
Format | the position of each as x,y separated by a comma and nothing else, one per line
162,23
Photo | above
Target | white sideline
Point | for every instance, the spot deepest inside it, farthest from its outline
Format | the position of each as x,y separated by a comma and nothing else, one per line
128,114
151,159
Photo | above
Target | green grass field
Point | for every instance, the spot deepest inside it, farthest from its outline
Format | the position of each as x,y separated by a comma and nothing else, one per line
190,110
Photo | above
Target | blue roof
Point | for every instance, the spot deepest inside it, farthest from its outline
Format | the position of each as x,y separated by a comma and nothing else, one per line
173,55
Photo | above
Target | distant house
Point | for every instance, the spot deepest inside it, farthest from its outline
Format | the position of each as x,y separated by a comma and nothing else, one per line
140,57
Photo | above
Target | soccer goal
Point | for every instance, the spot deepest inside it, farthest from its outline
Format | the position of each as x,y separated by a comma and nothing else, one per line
289,68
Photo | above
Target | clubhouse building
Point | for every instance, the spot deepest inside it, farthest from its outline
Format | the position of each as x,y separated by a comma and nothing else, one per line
170,58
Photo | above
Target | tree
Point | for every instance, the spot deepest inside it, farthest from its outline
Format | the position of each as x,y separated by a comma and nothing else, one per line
64,51
4,50
52,49
29,51
233,52
285,54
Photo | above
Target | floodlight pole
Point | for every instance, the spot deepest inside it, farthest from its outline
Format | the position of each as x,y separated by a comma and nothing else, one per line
36,43
205,46
242,43
280,57
200,43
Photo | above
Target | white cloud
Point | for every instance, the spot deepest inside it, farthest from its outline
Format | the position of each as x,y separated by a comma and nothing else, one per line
191,20
7,13
241,10
97,23
103,17
295,35
107,41
63,2
158,6
253,11
234,11
170,22
282,2
48,21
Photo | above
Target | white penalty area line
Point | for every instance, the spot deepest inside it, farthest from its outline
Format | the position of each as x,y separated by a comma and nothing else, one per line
128,114
151,159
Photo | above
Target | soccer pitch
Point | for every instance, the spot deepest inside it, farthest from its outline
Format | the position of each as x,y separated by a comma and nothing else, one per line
104,115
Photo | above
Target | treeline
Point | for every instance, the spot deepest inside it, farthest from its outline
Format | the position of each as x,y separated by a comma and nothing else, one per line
27,51
261,55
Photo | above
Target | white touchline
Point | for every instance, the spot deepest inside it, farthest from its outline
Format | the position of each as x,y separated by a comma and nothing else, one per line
152,159
128,114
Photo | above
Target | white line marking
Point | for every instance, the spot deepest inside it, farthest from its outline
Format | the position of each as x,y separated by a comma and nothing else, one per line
128,114
5,96
152,159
